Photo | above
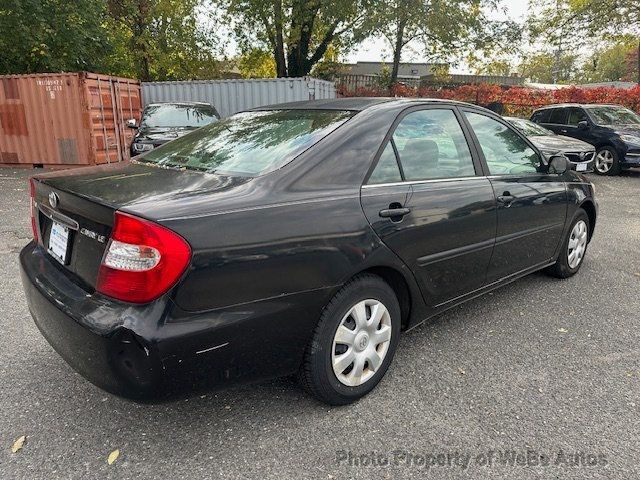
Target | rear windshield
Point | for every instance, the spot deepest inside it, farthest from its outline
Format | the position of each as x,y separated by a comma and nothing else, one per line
529,129
176,115
250,143
613,116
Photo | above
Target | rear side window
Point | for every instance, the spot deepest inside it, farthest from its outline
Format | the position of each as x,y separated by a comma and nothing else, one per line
505,151
431,145
541,116
387,169
558,116
249,143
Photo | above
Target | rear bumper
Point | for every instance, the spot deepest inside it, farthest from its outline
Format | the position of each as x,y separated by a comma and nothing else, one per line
89,333
158,350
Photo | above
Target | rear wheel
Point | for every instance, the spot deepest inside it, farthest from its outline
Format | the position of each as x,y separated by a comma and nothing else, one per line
353,343
573,249
607,162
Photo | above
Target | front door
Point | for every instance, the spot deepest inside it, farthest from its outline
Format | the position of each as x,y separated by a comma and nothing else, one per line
531,202
429,203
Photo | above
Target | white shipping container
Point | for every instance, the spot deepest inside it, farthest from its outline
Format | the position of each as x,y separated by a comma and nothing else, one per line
232,96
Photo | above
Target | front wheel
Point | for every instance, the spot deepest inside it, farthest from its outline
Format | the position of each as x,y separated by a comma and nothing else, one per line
573,249
354,342
607,162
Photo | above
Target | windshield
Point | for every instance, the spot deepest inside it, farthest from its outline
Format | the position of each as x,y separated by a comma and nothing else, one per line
249,143
528,128
176,115
614,116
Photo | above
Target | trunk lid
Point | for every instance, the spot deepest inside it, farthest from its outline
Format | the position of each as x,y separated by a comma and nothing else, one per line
77,207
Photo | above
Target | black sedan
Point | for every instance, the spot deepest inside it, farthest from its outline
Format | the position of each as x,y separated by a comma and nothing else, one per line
163,122
298,238
579,153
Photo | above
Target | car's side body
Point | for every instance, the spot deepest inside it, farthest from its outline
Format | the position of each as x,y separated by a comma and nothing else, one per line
269,252
576,121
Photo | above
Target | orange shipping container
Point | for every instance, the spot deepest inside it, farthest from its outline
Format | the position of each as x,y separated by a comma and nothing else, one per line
66,119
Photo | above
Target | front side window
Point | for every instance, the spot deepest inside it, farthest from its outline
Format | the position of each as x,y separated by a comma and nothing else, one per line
249,143
431,145
167,115
505,151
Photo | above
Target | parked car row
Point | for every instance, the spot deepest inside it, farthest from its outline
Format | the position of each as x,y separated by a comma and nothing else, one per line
579,153
612,132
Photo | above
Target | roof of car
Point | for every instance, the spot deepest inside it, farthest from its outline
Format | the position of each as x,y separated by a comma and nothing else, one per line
563,105
350,103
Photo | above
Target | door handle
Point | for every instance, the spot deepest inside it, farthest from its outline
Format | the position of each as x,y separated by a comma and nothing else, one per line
394,212
506,198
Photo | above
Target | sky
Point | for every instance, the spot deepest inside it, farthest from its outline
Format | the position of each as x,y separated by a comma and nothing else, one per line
377,50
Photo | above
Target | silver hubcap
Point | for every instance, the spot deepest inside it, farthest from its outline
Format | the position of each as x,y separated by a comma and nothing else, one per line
361,342
577,244
604,161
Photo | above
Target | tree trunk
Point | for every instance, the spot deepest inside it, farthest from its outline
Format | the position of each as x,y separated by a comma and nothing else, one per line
281,63
397,52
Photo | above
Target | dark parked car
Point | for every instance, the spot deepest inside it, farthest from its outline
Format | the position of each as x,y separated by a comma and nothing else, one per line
614,131
294,238
163,122
579,153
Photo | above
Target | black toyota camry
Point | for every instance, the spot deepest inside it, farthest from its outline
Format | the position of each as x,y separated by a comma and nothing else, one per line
298,238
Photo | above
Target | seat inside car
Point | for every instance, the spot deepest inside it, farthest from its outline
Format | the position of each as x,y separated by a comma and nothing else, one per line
420,159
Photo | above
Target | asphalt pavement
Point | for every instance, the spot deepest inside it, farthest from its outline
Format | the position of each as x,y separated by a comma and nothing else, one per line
540,379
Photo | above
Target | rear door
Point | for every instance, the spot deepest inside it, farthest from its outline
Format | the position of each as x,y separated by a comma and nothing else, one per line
429,202
532,203
557,120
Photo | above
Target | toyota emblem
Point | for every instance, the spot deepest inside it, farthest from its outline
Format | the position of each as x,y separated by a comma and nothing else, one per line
53,199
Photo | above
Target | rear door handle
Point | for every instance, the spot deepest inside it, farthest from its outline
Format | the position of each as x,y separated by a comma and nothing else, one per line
394,212
507,199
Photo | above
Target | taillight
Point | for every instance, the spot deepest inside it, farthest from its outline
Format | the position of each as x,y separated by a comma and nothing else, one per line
143,260
33,208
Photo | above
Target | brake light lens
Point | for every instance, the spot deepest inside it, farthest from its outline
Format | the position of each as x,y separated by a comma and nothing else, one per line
33,209
143,260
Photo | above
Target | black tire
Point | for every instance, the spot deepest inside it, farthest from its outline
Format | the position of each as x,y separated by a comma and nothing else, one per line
562,269
316,373
615,168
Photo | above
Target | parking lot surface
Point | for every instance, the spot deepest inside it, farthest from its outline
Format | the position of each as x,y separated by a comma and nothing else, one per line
540,379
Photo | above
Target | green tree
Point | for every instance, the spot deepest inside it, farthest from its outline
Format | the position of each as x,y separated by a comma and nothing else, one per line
547,67
164,38
52,35
494,67
612,63
441,27
257,63
297,32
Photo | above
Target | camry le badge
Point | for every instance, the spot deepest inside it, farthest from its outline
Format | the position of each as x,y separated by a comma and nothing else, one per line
53,199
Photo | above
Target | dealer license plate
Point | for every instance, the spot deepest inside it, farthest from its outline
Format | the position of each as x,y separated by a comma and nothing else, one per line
59,242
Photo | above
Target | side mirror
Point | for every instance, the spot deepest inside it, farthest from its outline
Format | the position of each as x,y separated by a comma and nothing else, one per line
131,123
583,125
559,164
